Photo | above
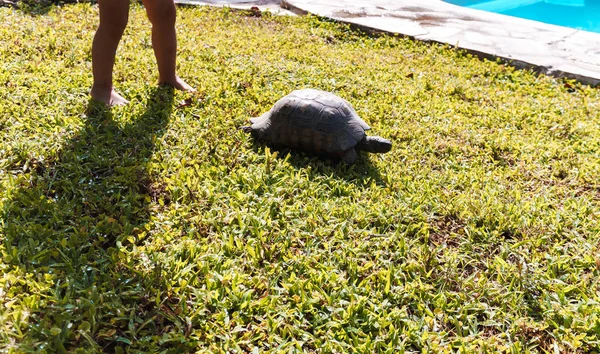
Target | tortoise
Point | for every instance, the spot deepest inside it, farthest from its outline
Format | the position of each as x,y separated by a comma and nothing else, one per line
319,122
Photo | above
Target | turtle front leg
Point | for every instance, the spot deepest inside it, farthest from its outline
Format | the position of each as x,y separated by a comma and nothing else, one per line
349,157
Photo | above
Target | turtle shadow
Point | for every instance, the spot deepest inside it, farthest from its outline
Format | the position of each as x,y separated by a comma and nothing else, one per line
361,171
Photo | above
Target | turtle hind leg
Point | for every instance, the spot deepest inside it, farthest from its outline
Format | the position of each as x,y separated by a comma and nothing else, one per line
374,144
349,157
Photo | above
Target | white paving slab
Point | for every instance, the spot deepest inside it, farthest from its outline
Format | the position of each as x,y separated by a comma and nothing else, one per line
550,49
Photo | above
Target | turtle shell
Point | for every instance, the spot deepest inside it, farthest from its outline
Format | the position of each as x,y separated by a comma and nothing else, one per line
311,120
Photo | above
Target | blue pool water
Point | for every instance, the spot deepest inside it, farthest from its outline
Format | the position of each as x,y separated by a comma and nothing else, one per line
579,14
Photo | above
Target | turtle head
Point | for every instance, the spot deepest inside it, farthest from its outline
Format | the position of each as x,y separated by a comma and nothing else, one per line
247,129
258,127
374,144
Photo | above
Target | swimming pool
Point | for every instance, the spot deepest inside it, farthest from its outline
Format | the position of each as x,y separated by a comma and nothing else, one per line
579,14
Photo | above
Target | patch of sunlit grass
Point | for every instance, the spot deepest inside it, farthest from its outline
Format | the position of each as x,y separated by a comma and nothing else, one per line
161,226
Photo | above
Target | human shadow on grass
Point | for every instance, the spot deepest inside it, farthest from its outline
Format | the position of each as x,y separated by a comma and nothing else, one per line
64,226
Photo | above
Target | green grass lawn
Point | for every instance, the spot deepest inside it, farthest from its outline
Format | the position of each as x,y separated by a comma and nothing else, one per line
161,226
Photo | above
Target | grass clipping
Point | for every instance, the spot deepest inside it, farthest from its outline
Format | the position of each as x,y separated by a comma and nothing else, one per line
161,226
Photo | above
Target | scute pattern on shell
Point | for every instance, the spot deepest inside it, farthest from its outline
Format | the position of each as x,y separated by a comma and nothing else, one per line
312,120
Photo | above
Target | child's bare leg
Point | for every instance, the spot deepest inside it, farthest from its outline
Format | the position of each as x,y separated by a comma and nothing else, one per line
164,41
113,20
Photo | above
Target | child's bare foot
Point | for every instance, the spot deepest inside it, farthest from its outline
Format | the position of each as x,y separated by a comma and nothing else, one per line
108,96
178,84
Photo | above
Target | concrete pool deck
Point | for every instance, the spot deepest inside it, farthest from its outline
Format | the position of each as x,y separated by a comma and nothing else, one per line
549,49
